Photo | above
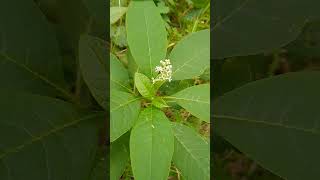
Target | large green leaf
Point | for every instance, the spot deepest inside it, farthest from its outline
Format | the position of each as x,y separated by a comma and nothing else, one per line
147,36
119,157
116,13
191,56
191,153
196,100
151,145
29,55
44,139
276,122
93,57
124,108
119,76
243,27
144,86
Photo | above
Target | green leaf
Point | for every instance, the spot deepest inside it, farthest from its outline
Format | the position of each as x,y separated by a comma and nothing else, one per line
200,3
191,56
29,54
116,13
56,140
273,28
191,153
159,102
93,57
147,36
196,100
119,77
151,145
144,85
97,9
119,157
275,121
124,108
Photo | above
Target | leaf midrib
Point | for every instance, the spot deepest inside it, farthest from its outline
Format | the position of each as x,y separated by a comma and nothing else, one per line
40,137
37,75
266,123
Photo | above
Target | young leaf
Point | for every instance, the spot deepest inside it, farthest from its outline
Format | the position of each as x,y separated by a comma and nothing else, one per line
119,157
233,35
144,85
93,57
276,122
191,56
196,100
191,153
147,36
151,145
56,140
116,13
119,77
159,102
29,54
124,108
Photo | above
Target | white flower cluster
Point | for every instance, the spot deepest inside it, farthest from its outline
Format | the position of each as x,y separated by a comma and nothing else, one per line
164,70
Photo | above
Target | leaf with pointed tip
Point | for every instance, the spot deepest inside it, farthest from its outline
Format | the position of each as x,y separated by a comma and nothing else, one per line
144,86
191,153
146,34
151,145
29,54
191,56
57,141
124,108
276,122
196,100
119,75
93,57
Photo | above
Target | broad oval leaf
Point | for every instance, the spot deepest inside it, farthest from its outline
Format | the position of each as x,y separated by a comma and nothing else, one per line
124,108
276,122
146,34
29,54
54,139
244,27
144,86
119,76
196,100
93,57
119,157
191,56
191,153
151,145
116,13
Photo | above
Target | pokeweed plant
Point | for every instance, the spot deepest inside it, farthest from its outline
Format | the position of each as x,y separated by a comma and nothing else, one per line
141,133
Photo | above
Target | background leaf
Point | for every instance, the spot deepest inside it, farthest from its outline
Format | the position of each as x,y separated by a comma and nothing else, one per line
191,56
27,62
146,35
92,56
191,153
270,122
119,75
119,157
151,145
124,108
116,13
234,34
196,100
48,139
